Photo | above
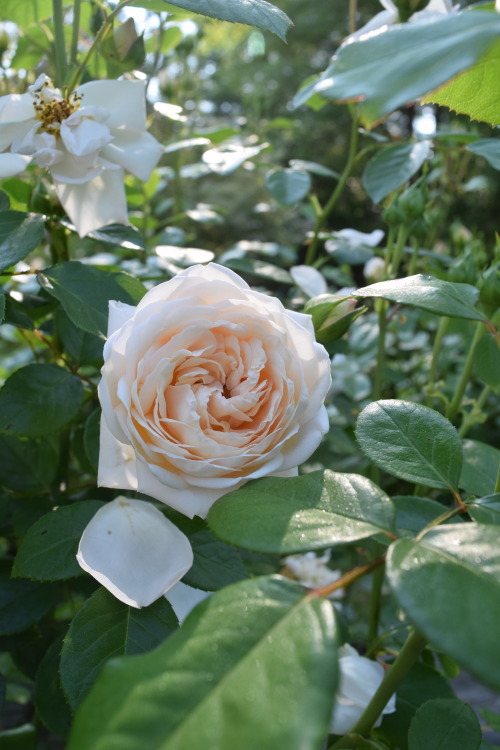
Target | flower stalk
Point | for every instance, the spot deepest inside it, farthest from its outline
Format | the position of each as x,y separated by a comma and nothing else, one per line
454,405
59,44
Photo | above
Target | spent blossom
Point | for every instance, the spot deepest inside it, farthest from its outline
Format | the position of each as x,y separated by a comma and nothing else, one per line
86,138
312,571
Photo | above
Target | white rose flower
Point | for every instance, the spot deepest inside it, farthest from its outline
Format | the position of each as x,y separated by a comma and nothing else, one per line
312,571
359,679
207,384
85,139
374,269
134,551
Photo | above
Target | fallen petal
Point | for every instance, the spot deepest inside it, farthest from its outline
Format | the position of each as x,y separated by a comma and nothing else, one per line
134,551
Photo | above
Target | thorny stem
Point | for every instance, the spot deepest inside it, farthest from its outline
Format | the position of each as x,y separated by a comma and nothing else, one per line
407,657
324,214
454,406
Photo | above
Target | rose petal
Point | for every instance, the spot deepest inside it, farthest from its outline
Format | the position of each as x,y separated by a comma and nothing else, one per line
12,164
124,100
184,598
96,203
134,551
138,153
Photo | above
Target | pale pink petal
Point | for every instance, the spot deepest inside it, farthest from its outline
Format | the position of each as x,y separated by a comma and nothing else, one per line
139,153
134,551
119,314
117,464
184,599
96,203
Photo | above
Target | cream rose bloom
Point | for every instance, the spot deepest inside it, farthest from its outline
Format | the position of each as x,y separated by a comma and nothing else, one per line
207,384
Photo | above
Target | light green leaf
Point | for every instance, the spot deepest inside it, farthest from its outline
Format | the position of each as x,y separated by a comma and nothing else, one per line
20,233
48,551
84,293
411,442
441,580
401,64
444,724
39,399
288,186
26,12
489,148
391,167
486,509
104,628
480,469
473,92
313,511
258,650
428,293
257,13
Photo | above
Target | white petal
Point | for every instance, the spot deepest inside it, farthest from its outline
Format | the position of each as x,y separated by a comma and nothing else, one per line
138,153
95,203
117,464
361,238
12,164
124,100
119,313
344,717
309,280
84,136
184,598
16,111
134,551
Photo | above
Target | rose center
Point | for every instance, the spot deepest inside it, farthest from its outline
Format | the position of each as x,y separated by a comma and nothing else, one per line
53,112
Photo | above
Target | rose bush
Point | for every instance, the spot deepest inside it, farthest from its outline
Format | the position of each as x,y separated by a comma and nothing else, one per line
207,384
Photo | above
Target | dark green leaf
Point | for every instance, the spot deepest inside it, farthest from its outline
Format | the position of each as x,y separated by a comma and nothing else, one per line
391,167
103,628
117,234
434,295
486,510
489,148
48,551
39,399
258,650
51,704
23,603
288,186
260,269
411,442
83,347
20,233
390,69
444,724
487,360
420,684
441,580
20,738
2,305
413,513
313,511
27,465
473,91
257,13
84,293
480,469
91,437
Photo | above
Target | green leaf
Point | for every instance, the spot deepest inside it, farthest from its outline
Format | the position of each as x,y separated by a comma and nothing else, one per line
23,603
51,704
104,628
489,148
387,70
258,650
391,167
428,293
480,469
128,238
48,551
257,13
39,399
444,724
84,293
260,269
288,186
486,509
441,580
83,347
26,12
411,442
420,684
19,738
413,513
310,512
91,436
487,360
215,564
2,305
20,233
27,465
473,91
